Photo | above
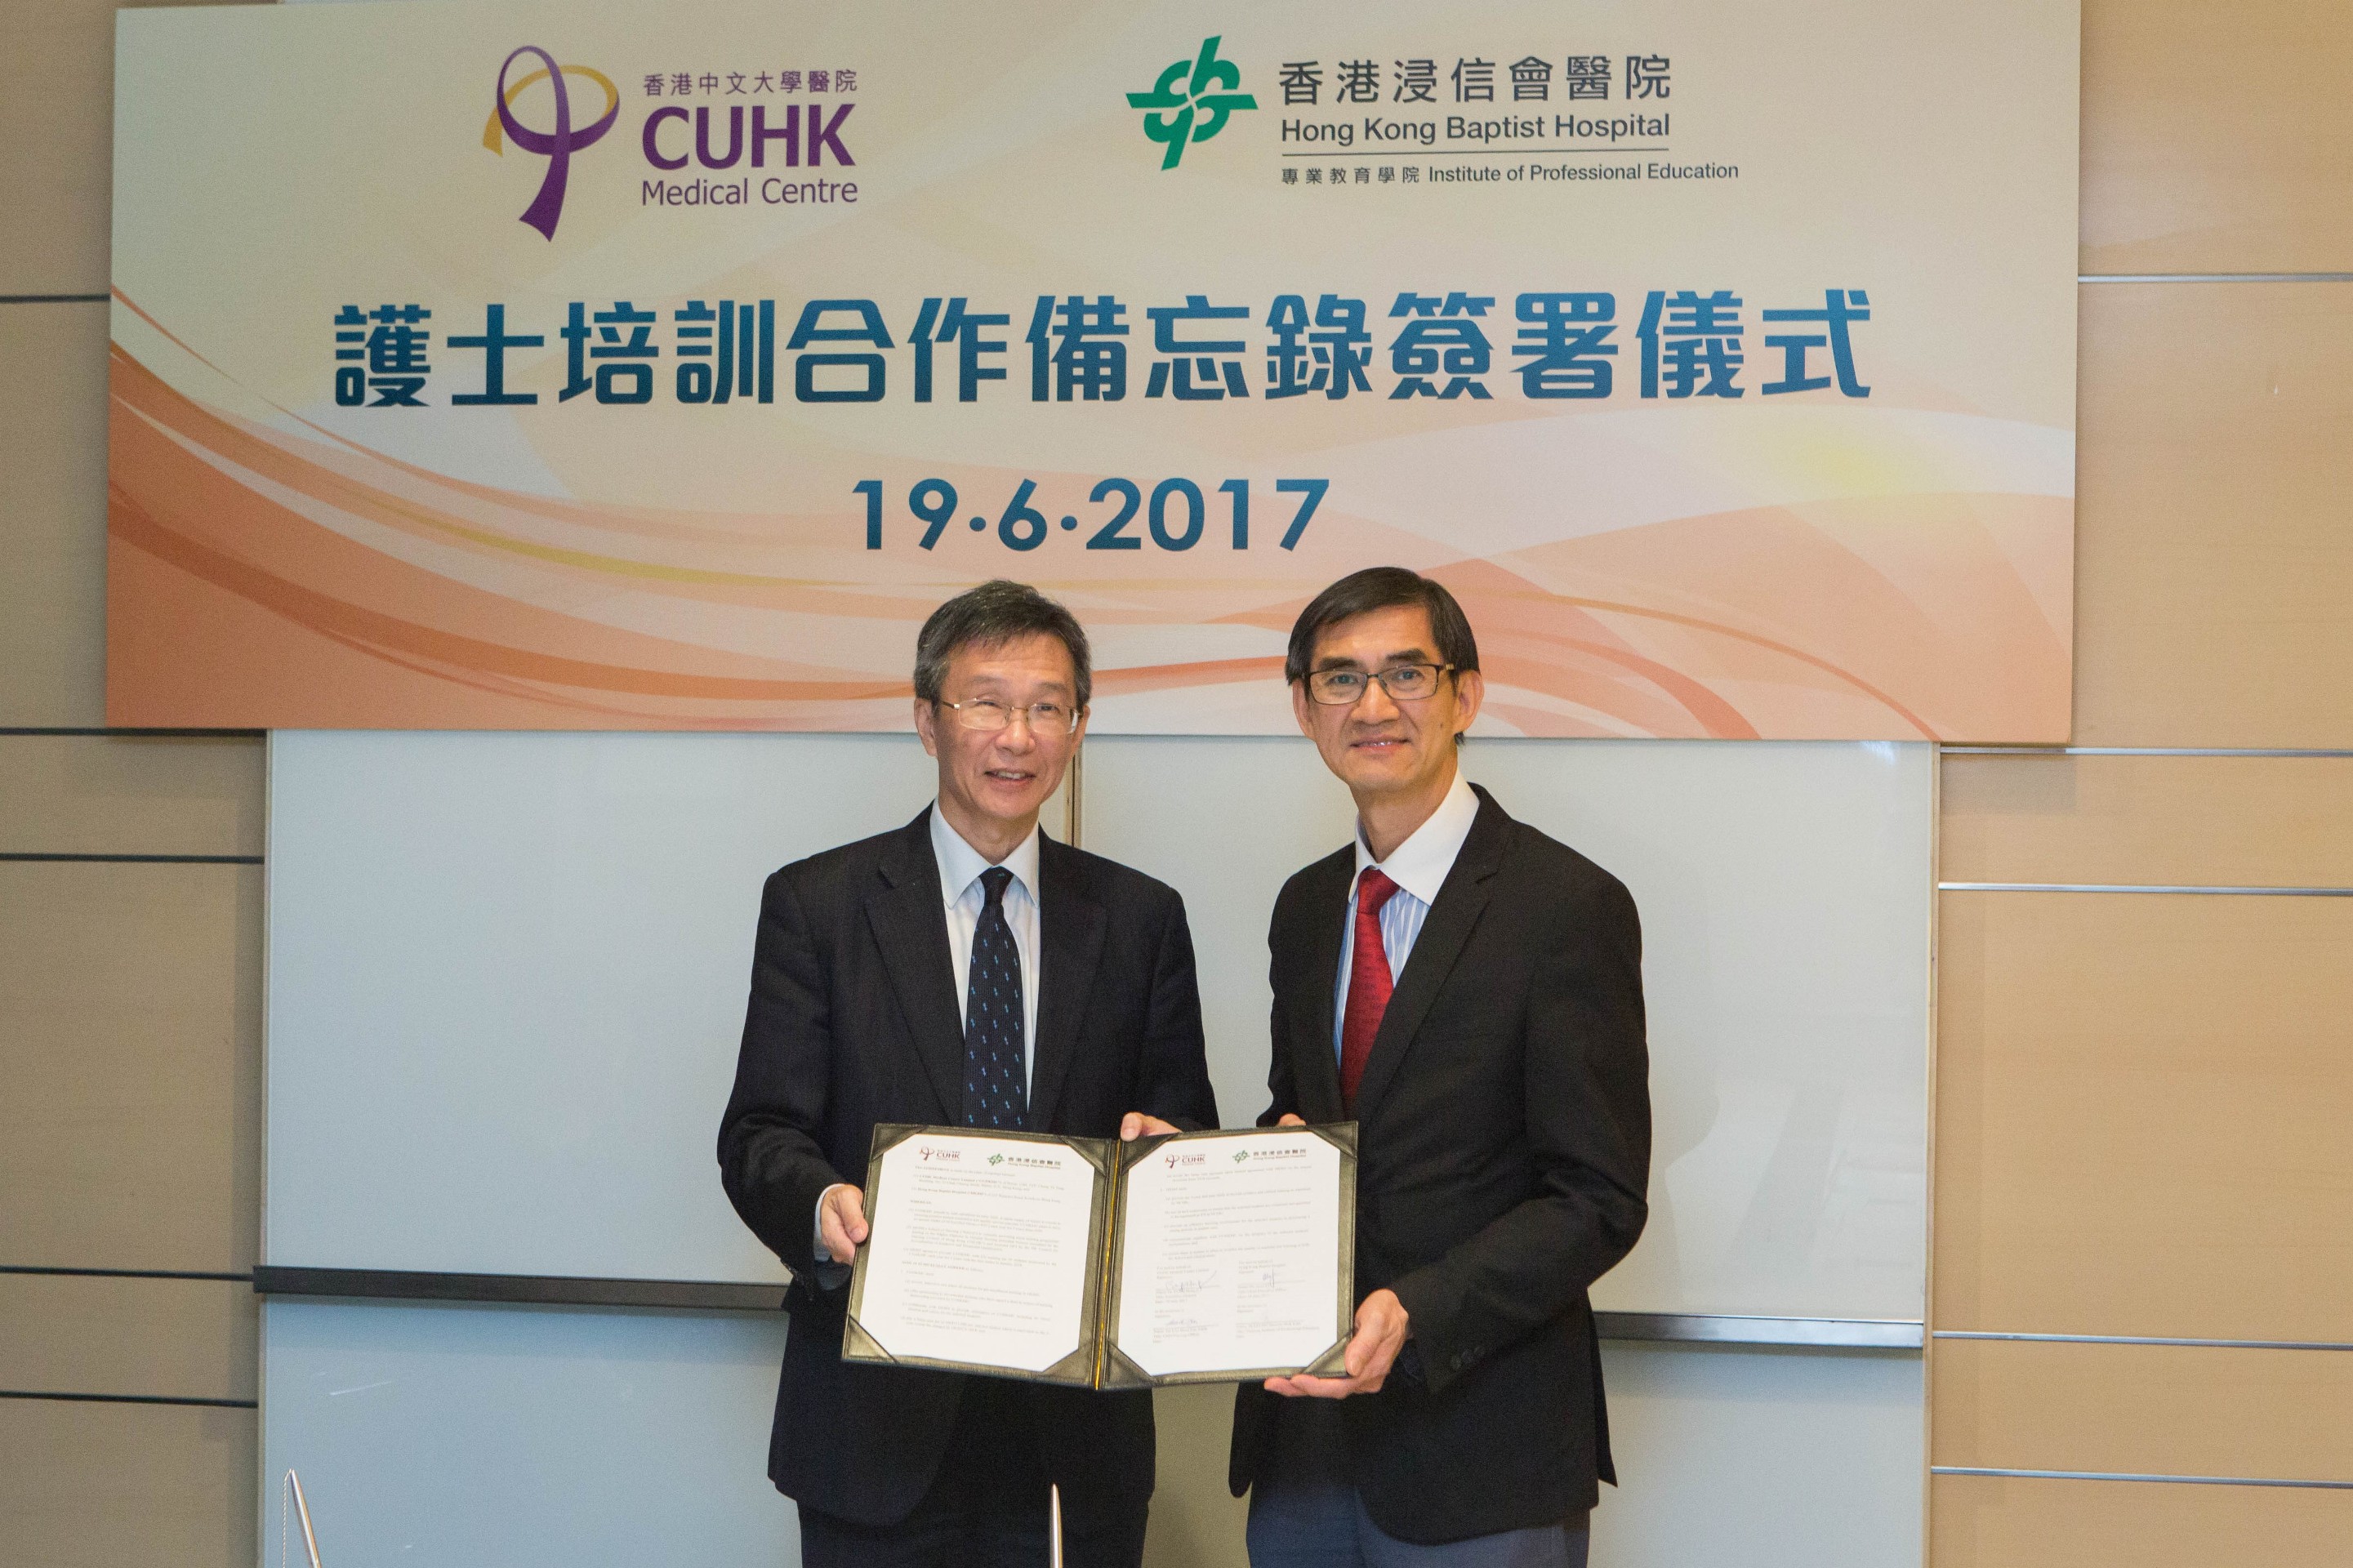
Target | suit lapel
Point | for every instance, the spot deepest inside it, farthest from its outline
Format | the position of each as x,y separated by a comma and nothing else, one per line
1070,939
1316,1069
910,927
1460,900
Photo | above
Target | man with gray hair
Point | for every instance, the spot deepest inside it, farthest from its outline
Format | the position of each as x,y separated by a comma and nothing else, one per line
866,963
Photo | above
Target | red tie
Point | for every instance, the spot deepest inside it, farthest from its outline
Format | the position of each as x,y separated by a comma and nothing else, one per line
1370,984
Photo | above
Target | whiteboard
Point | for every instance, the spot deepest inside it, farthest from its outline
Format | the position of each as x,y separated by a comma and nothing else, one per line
1785,892
507,978
507,975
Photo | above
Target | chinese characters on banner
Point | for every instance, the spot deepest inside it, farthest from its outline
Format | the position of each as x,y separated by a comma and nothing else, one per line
1690,344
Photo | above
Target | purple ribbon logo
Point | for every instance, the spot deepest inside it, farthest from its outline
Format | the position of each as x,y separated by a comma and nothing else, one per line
556,146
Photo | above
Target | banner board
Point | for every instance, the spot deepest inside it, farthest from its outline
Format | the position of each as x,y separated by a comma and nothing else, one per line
517,364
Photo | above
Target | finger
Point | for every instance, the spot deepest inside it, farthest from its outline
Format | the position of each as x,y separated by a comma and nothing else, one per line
846,1216
1291,1119
1325,1387
1297,1387
1131,1127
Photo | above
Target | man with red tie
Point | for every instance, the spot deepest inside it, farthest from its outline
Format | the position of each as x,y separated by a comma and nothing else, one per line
1470,992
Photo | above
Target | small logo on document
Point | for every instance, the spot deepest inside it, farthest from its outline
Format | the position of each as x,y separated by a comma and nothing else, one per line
997,1158
555,145
1191,101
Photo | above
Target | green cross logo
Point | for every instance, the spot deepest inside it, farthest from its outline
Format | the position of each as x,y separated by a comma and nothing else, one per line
1201,105
1241,1155
997,1158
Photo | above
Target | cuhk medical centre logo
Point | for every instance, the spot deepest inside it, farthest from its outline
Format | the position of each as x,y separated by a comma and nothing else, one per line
1191,101
557,145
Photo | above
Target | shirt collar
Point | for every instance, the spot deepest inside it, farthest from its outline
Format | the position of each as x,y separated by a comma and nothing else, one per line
961,864
1419,865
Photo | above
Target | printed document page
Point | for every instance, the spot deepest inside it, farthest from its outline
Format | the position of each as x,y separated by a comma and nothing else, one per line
1231,1258
979,1251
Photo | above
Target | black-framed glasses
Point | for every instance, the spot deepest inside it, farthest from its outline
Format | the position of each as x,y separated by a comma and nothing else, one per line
1403,682
987,713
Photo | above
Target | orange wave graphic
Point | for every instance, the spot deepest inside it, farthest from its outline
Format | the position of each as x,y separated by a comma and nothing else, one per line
264,579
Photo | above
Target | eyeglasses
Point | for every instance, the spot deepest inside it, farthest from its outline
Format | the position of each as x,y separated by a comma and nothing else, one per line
987,713
1403,682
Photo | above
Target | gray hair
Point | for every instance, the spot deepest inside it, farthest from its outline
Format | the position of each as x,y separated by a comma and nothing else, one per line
989,617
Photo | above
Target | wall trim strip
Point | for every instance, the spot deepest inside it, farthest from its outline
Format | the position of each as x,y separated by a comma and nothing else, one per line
2214,278
2148,1340
51,857
131,1399
238,1279
11,732
731,1296
2132,1475
2331,752
2142,888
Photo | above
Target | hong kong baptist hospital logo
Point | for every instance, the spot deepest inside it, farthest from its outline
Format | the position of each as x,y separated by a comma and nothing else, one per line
1191,101
557,145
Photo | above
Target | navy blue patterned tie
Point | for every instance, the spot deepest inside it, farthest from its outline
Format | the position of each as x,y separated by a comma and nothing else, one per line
996,1092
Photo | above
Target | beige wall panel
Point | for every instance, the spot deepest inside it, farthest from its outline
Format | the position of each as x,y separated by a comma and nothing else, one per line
185,1339
52,511
2216,138
2202,821
130,1045
111,1486
2168,1410
114,795
2142,1105
57,121
1196,1521
1979,1522
2214,525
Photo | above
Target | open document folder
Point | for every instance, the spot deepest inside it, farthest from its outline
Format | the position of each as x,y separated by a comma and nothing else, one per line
1197,1258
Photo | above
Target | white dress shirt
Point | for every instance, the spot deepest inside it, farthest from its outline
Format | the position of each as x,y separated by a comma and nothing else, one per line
1418,866
964,897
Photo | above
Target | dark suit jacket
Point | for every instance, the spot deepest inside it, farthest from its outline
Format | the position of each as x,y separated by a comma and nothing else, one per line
1504,1149
854,1020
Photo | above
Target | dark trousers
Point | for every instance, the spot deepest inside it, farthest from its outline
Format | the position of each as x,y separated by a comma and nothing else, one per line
987,1509
1305,1512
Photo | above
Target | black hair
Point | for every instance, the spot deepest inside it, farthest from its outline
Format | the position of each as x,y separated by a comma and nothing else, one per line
1382,588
